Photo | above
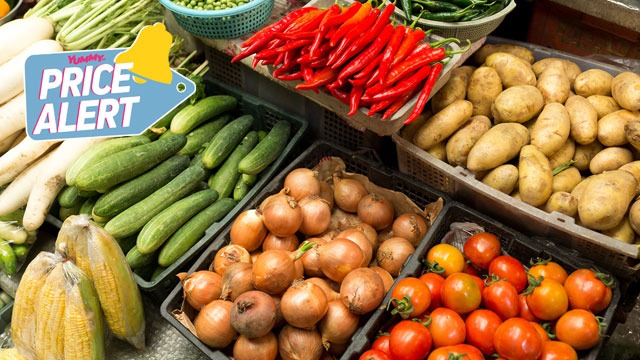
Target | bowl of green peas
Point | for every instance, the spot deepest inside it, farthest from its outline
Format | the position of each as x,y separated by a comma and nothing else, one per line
462,19
219,19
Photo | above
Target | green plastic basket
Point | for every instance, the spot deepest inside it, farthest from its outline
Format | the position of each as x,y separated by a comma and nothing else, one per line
221,24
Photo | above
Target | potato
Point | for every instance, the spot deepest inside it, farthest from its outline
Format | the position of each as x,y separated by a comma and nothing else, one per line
408,131
461,142
584,154
634,216
480,56
564,155
610,158
503,178
554,84
571,69
562,202
593,82
516,194
512,70
443,123
584,119
484,86
625,89
603,104
517,104
497,146
578,190
605,199
611,128
551,129
633,167
566,179
535,177
623,231
438,151
632,132
454,89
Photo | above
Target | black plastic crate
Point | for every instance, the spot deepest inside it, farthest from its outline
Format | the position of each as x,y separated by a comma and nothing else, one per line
513,243
356,162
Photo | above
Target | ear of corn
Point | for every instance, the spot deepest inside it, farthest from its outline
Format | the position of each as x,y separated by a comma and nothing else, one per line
50,308
98,254
84,325
23,325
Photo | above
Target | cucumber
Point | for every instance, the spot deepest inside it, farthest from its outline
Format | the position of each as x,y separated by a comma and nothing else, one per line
65,212
161,226
68,197
136,259
200,136
101,151
225,179
131,220
240,190
249,179
125,195
162,126
126,244
191,116
158,270
13,231
20,250
193,230
268,150
87,205
225,141
129,163
87,193
8,260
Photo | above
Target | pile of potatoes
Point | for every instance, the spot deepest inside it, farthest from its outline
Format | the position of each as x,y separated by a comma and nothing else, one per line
545,131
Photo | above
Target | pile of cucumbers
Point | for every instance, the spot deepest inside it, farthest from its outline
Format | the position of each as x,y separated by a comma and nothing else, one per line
158,194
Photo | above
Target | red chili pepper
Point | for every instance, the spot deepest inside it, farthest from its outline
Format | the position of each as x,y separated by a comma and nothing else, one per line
411,64
351,37
408,43
306,22
379,106
373,79
353,21
420,47
280,58
319,33
436,69
403,86
337,84
307,73
291,45
342,17
369,69
296,35
397,104
306,58
320,78
320,63
339,94
365,57
290,77
354,100
392,47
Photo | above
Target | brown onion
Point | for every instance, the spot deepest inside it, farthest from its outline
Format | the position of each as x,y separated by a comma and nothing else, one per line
362,290
326,192
411,226
299,344
363,242
347,193
338,257
227,255
392,254
273,242
386,277
262,348
370,232
303,304
253,314
328,235
316,215
248,230
279,318
275,270
376,210
311,259
236,280
341,220
384,235
338,324
282,216
201,287
254,255
213,326
302,182
329,291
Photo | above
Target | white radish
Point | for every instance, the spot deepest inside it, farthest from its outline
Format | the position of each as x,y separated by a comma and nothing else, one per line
13,115
12,72
14,161
5,144
17,193
18,139
18,34
51,179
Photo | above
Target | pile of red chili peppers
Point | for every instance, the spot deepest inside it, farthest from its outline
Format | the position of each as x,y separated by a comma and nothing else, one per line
355,53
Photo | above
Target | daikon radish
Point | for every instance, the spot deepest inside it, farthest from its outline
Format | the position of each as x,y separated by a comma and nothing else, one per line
18,139
18,34
12,72
17,193
13,115
51,179
14,161
7,142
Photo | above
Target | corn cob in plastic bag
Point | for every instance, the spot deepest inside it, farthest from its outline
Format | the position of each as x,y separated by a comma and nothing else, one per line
11,354
97,253
23,316
50,304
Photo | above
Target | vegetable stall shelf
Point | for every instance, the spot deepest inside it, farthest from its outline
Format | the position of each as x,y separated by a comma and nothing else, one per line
355,163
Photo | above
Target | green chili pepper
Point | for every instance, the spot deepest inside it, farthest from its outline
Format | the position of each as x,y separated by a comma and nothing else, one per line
406,7
438,6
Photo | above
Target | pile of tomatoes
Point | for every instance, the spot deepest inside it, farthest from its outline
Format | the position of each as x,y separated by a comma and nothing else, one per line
480,303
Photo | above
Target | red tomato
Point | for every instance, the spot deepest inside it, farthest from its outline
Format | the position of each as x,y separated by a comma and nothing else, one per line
481,248
510,268
548,300
557,350
410,297
523,309
578,328
464,351
434,282
549,270
446,327
373,354
588,290
544,335
501,297
445,259
461,293
516,338
409,340
470,269
480,325
382,343
480,282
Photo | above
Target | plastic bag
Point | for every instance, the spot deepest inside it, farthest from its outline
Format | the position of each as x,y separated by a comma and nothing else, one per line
15,242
